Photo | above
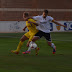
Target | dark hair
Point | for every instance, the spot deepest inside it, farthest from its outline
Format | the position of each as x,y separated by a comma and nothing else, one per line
26,14
46,11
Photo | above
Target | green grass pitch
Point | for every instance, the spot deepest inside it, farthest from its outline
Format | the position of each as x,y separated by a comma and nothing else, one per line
44,62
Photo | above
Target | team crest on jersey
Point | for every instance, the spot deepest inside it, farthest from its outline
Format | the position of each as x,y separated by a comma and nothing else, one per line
58,27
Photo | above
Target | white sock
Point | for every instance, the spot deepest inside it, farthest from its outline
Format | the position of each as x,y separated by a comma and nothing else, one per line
52,45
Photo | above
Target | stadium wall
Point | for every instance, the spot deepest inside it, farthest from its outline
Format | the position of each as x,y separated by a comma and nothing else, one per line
11,13
12,10
17,26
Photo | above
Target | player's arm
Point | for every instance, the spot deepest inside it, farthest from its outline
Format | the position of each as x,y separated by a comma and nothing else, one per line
26,19
24,28
33,23
58,23
30,17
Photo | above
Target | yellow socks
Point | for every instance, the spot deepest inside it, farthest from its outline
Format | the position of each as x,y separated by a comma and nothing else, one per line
19,46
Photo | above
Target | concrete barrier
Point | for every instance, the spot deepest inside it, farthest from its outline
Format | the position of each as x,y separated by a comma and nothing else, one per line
17,26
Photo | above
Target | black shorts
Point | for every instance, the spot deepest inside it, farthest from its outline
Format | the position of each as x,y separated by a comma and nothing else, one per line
46,35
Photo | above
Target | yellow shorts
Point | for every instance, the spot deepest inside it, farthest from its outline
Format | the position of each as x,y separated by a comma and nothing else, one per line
30,35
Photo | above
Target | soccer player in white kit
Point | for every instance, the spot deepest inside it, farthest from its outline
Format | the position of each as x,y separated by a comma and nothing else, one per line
44,28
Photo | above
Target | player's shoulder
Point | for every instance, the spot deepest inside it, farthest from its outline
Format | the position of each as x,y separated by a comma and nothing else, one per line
31,19
41,16
49,17
38,16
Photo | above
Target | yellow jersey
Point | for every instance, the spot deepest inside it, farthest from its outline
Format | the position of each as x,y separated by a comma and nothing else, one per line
31,27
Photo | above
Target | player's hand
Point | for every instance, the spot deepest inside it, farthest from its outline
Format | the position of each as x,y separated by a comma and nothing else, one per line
64,26
24,29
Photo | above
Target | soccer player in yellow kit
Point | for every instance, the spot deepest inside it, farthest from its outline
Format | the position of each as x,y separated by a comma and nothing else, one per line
31,25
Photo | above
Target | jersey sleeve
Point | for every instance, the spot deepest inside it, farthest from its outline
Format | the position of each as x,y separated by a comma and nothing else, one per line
51,18
36,17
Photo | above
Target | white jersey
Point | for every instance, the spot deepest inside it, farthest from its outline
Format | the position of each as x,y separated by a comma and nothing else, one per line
44,23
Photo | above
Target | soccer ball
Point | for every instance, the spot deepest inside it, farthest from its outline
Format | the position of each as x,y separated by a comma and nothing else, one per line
33,45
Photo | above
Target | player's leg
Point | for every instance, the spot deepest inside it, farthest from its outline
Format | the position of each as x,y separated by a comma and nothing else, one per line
29,49
36,37
48,38
23,38
53,46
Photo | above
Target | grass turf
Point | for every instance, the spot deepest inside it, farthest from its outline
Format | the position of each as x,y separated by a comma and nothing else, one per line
44,62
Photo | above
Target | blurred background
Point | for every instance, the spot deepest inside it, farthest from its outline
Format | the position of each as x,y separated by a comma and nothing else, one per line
11,12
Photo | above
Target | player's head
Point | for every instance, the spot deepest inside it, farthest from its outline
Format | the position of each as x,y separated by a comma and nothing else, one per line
25,15
45,13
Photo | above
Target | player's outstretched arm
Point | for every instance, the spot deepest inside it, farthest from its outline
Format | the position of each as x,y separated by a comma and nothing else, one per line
26,19
58,23
33,23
